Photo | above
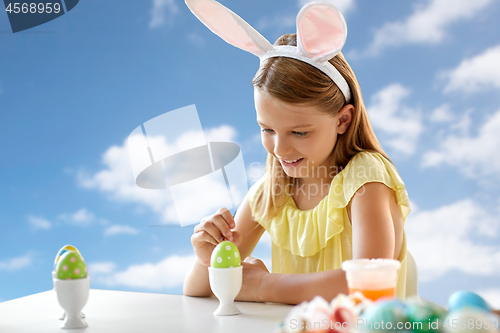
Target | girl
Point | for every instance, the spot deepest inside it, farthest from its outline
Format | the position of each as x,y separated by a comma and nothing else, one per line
329,194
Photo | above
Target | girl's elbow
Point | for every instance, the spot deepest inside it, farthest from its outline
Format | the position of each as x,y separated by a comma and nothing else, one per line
186,291
193,289
191,292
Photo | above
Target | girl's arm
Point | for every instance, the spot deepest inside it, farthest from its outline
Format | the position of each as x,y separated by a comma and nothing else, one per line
296,288
377,223
374,212
196,281
246,235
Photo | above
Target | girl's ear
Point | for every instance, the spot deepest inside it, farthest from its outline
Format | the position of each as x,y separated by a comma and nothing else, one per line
345,118
321,31
229,26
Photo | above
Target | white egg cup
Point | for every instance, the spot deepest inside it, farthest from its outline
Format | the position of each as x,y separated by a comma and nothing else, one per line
72,296
226,284
63,316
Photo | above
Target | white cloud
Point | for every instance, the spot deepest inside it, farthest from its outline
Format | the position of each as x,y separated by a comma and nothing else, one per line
201,197
117,179
442,240
119,229
102,267
167,273
161,9
223,133
81,217
427,25
463,125
414,207
343,5
478,73
16,263
492,296
399,125
442,114
39,223
473,155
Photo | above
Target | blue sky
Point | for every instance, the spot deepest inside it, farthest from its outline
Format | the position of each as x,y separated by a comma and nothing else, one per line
73,89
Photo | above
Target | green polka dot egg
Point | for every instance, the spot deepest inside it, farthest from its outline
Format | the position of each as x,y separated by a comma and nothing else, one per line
225,255
71,266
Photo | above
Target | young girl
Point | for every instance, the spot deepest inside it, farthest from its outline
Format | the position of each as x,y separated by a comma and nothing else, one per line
329,194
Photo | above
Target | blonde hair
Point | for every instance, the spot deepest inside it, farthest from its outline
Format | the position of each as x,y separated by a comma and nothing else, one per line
294,81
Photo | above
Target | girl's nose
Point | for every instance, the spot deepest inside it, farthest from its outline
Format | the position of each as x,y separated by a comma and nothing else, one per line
282,148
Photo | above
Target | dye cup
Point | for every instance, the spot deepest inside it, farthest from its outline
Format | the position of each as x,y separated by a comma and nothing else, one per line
374,278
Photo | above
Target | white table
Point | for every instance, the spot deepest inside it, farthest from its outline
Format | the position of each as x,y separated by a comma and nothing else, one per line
121,312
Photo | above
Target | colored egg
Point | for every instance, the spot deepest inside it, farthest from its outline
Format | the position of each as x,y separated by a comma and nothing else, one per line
360,302
384,315
71,266
225,255
340,318
425,316
466,299
63,250
467,320
317,305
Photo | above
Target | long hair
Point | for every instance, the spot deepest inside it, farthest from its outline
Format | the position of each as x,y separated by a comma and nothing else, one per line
296,82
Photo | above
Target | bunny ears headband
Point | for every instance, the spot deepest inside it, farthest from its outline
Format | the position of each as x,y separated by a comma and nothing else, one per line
321,34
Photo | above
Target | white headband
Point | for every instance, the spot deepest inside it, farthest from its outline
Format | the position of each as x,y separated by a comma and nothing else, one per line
321,34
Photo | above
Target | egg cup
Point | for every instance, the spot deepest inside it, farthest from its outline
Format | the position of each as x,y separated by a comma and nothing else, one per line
226,284
72,296
63,316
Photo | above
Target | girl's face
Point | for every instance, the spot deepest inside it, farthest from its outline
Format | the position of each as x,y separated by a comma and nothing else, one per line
300,137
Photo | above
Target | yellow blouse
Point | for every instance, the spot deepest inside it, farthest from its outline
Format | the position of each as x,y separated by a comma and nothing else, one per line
319,239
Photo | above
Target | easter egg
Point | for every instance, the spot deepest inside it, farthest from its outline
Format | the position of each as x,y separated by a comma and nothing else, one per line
425,316
225,255
384,315
295,319
63,250
71,266
468,320
466,299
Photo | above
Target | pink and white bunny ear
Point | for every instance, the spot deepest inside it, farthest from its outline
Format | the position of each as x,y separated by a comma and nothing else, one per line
229,26
321,31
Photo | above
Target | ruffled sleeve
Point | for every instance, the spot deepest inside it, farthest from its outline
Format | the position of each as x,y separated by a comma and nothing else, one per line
369,167
305,233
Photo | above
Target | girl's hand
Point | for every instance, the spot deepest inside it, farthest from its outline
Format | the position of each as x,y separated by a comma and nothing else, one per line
254,272
211,231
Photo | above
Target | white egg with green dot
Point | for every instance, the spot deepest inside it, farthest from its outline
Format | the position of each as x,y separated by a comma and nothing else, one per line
225,255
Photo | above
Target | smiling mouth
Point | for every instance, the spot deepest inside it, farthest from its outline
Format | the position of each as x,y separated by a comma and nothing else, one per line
291,162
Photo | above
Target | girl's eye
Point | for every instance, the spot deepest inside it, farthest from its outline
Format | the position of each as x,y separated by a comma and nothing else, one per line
267,130
300,133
